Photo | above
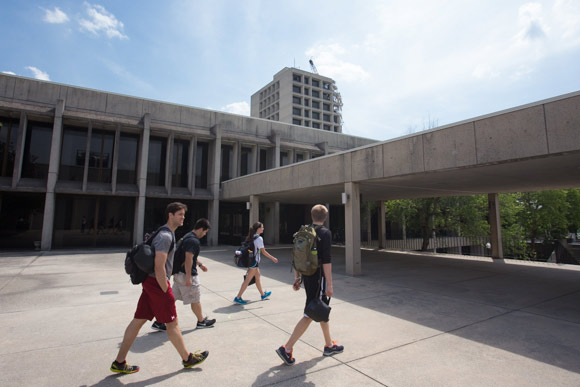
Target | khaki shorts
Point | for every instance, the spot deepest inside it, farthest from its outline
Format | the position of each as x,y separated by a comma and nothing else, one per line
187,294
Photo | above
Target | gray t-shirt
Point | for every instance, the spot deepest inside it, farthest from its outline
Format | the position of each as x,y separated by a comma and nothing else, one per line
162,243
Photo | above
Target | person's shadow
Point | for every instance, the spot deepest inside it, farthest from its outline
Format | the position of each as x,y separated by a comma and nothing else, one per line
281,373
115,379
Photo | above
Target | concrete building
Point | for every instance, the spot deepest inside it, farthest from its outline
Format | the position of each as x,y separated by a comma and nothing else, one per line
300,97
88,168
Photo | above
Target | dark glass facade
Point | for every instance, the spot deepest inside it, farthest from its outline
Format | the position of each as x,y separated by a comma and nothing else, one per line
179,170
127,161
72,158
156,162
37,150
8,137
21,218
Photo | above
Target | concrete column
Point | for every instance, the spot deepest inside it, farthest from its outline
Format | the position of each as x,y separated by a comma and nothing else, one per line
275,139
382,225
87,156
19,151
142,180
271,220
236,157
192,159
53,166
254,209
116,158
169,163
214,185
495,226
352,229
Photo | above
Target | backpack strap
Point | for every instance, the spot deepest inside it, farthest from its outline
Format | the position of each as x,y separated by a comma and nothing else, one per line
149,240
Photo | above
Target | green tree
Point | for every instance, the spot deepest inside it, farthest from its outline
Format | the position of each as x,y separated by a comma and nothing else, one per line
573,199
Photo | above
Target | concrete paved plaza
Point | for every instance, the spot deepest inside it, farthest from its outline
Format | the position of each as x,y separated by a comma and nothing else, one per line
408,320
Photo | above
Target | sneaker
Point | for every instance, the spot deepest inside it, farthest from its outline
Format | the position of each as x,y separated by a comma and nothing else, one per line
206,323
333,350
123,368
159,326
195,359
238,300
266,295
285,356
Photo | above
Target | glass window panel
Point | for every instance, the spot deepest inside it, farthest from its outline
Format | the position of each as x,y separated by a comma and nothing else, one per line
127,162
101,156
72,157
201,159
156,161
37,150
180,159
8,137
227,163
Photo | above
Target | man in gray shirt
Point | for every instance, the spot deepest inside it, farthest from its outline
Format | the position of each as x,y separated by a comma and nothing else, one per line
157,300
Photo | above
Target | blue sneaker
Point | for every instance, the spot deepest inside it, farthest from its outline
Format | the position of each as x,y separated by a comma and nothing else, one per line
240,301
266,295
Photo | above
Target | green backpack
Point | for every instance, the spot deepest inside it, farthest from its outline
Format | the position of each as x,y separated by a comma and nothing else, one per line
304,253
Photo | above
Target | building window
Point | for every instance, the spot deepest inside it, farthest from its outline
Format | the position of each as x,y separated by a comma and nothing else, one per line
326,127
179,170
315,104
316,83
296,78
326,117
306,91
326,96
316,93
296,121
284,160
8,137
73,153
201,163
326,107
297,111
296,89
306,102
101,156
299,157
307,123
297,100
246,161
306,113
326,85
316,125
315,115
127,161
306,80
156,161
37,150
263,159
227,163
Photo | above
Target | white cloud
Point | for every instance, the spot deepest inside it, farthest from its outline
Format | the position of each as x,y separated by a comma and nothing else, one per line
241,108
55,16
38,74
100,20
8,72
329,61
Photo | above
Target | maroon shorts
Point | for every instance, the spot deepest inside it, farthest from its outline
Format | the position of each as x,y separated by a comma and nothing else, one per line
155,303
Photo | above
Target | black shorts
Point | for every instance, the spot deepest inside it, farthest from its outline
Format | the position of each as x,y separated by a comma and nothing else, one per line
312,290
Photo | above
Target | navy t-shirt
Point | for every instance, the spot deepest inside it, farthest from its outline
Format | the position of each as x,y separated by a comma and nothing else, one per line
191,244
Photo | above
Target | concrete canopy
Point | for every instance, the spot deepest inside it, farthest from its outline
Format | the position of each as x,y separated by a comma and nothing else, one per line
529,148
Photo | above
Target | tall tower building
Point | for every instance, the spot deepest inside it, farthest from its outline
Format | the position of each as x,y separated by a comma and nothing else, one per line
300,97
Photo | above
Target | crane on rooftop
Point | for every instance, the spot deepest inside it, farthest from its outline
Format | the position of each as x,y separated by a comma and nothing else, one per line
313,67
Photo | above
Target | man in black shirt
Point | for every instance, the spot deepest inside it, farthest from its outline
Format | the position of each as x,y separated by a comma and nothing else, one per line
186,286
317,285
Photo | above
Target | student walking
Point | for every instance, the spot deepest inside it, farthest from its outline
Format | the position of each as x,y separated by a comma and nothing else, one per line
318,284
254,271
157,300
186,285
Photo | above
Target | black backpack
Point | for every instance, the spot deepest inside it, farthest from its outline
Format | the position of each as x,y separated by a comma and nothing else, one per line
245,256
140,260
179,256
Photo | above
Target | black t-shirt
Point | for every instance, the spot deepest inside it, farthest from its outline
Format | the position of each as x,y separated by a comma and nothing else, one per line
191,244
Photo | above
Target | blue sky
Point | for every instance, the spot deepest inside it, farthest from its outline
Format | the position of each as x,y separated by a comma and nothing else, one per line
401,66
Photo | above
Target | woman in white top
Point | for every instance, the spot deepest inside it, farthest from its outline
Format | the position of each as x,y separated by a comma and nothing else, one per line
254,271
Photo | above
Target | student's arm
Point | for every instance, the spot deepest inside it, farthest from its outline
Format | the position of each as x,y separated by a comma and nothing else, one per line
327,267
187,266
267,254
160,273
